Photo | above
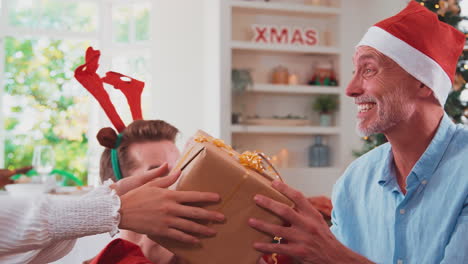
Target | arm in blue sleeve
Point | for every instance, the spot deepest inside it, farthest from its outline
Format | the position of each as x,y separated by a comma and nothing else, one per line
456,250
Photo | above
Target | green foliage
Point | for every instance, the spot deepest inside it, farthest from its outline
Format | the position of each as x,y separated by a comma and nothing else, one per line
54,14
325,103
454,107
370,143
42,102
38,104
142,25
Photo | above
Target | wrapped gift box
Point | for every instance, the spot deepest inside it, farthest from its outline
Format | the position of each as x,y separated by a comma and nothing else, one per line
211,166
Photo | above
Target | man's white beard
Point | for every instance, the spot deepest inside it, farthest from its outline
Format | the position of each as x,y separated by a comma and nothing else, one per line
386,118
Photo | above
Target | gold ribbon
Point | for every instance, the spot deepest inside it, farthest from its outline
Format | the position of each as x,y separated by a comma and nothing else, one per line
252,160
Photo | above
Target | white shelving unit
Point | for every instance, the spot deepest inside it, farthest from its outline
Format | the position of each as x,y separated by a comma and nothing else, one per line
245,45
285,130
292,89
265,99
284,8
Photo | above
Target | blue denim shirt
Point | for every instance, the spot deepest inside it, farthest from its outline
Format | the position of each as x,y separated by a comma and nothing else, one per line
428,225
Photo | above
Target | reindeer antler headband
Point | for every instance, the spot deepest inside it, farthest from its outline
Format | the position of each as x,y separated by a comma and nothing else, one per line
131,88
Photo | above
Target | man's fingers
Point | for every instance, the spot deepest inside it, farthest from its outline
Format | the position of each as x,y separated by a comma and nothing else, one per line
283,249
188,226
281,210
196,197
197,213
294,195
167,181
274,230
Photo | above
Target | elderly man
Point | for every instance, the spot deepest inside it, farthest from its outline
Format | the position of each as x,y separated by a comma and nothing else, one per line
406,201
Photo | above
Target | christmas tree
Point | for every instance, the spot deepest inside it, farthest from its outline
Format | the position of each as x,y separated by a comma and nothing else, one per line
448,11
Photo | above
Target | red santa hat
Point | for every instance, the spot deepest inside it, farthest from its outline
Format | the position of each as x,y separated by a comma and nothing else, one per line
425,47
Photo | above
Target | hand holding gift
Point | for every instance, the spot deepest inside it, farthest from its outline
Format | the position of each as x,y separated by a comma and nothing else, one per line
308,234
209,165
139,207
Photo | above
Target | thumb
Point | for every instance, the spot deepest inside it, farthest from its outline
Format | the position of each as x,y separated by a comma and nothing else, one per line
153,174
130,183
167,181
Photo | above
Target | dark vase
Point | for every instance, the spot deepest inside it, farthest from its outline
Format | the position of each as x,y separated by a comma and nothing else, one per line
319,154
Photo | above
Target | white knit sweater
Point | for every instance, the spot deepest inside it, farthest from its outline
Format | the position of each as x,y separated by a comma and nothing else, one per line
43,229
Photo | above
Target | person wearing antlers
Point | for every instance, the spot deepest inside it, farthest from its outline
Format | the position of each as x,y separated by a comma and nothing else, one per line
405,201
44,229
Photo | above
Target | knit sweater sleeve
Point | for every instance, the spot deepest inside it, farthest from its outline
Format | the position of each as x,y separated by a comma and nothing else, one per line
36,223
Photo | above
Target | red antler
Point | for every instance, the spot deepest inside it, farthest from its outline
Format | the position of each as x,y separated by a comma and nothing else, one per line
87,76
130,87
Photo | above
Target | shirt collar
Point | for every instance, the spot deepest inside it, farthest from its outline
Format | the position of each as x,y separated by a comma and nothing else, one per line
386,166
426,165
430,159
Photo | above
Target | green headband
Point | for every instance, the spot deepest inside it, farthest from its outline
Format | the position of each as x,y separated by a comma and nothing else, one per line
115,158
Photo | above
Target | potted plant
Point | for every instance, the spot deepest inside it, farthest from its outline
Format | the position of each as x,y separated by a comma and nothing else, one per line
325,105
241,79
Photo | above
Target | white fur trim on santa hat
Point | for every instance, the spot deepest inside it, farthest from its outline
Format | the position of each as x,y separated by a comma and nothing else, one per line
411,60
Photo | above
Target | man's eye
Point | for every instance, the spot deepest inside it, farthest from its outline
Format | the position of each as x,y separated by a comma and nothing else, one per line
368,71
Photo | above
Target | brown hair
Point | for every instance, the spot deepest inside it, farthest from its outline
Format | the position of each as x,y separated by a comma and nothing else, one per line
137,132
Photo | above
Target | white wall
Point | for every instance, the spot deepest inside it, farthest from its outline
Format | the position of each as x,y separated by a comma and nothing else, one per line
380,9
178,58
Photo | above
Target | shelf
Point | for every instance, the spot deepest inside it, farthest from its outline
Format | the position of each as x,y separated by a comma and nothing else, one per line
286,8
296,130
249,46
263,97
293,89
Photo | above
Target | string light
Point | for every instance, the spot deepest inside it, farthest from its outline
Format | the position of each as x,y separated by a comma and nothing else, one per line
436,6
422,3
465,67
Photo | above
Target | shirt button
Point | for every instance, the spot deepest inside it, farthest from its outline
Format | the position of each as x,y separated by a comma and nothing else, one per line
400,261
402,211
424,182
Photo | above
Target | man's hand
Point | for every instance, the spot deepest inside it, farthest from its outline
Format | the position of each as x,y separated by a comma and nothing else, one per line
309,238
157,212
323,204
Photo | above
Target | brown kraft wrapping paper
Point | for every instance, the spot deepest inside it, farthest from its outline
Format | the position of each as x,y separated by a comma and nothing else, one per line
212,167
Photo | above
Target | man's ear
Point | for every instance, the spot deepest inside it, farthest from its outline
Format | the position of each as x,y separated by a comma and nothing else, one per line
424,91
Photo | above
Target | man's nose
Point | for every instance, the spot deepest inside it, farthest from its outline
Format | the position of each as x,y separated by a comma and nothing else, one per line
354,88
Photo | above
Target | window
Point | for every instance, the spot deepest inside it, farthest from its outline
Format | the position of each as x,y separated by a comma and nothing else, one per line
42,42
